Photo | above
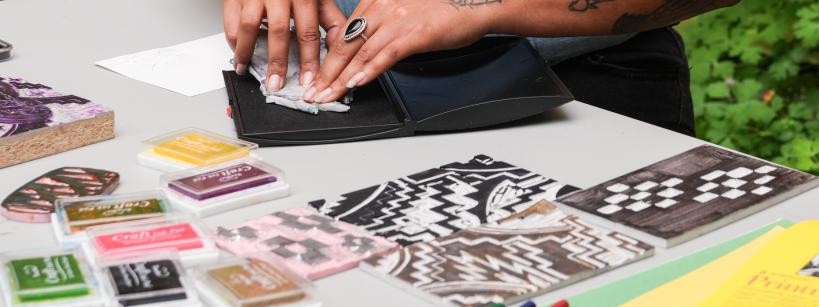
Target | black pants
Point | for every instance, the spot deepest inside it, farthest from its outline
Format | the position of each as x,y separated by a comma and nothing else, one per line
645,78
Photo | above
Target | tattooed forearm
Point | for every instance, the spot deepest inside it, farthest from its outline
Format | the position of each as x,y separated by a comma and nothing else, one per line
471,3
585,5
670,12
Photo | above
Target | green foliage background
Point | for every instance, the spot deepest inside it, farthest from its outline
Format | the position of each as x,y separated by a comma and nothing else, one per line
755,79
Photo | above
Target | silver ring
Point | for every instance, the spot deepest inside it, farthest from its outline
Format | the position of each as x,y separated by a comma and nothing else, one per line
355,29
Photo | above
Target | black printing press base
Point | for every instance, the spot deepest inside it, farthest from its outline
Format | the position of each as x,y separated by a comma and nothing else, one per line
495,81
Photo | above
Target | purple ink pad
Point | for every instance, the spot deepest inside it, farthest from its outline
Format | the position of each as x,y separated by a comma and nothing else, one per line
205,183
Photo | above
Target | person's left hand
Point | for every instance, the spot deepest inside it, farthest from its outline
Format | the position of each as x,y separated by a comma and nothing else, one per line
396,29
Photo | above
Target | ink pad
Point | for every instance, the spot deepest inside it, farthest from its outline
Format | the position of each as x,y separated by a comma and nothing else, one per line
234,184
173,231
75,215
252,282
192,147
155,279
48,278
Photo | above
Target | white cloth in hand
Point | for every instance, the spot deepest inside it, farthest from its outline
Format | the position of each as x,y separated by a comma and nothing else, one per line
290,94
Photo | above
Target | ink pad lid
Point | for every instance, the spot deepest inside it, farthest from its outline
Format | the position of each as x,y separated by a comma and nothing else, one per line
49,277
230,185
174,231
197,147
147,279
252,281
74,216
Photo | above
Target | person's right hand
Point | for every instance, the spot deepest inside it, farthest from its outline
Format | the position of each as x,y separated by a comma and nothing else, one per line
242,19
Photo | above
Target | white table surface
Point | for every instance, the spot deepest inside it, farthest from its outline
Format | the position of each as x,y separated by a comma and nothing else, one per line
56,43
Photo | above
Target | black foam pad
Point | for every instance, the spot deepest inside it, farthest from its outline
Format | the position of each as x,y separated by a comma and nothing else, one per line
371,111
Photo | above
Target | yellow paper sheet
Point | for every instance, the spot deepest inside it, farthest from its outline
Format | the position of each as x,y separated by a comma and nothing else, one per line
771,277
693,287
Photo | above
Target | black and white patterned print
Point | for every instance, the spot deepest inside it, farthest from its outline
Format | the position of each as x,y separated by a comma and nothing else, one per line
437,202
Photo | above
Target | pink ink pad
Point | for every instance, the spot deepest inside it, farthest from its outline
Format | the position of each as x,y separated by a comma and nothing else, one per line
176,232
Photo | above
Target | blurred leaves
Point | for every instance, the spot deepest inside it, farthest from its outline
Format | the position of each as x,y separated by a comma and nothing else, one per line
755,79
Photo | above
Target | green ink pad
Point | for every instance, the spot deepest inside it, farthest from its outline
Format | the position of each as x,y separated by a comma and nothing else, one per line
49,278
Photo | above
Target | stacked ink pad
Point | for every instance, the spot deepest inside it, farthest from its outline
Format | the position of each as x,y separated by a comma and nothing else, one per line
252,281
188,237
210,173
74,216
191,147
53,277
155,279
209,190
149,248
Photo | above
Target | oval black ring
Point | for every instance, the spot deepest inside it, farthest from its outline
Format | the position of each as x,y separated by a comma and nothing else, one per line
355,28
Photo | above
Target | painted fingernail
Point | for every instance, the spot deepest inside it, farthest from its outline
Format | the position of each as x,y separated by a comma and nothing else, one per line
307,78
308,95
356,79
274,83
241,69
324,95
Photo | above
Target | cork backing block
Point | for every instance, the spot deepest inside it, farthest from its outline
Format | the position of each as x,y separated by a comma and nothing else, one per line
48,141
36,121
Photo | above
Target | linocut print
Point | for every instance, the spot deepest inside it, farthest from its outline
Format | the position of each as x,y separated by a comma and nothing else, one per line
527,254
26,106
308,243
437,202
696,188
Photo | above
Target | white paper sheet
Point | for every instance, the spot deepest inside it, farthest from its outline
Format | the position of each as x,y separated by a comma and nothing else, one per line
190,68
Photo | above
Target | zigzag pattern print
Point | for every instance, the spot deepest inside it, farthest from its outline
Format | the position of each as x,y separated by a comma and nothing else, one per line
440,201
531,254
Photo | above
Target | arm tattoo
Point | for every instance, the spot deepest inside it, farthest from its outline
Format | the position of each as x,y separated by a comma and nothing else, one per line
670,12
471,3
585,5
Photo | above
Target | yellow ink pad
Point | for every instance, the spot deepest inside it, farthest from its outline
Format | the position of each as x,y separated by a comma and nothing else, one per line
192,147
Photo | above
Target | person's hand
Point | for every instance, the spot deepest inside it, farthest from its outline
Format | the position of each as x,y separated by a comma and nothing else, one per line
242,19
396,29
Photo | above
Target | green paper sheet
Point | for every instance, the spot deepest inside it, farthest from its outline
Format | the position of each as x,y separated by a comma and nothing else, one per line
622,291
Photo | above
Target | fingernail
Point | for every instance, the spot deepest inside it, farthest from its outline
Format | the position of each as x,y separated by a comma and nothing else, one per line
357,78
324,95
308,95
274,83
307,79
241,69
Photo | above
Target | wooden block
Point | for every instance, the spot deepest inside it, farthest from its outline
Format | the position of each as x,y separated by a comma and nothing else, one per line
36,121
